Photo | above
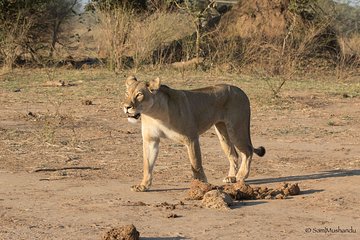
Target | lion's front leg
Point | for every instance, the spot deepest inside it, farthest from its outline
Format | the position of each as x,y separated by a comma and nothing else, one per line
150,152
194,152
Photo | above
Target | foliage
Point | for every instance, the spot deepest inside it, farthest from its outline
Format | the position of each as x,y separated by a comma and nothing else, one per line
345,17
304,8
108,5
284,34
32,25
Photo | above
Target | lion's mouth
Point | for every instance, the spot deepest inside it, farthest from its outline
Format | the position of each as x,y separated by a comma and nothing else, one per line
135,116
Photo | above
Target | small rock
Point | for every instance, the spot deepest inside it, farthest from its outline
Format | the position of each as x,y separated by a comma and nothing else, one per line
345,95
139,204
87,102
173,215
31,114
166,205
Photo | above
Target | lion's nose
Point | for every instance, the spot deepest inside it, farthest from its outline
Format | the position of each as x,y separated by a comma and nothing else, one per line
126,108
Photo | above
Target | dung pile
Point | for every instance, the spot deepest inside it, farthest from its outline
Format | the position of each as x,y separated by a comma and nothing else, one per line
240,191
221,197
217,199
127,232
198,189
243,191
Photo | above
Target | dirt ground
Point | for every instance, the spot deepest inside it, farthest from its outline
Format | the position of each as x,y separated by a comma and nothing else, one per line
68,158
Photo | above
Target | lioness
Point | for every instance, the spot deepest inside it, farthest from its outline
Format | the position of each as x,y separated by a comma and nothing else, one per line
183,115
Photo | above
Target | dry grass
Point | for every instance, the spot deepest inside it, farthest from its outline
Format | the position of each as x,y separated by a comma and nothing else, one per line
123,34
264,38
155,32
113,33
312,38
349,61
255,38
350,45
12,38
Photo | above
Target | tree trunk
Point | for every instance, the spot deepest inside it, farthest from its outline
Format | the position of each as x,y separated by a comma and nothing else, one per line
198,38
54,37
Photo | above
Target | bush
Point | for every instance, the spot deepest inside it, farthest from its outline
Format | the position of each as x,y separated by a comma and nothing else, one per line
144,39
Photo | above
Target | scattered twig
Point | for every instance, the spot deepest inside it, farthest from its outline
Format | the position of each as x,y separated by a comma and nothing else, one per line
51,179
65,168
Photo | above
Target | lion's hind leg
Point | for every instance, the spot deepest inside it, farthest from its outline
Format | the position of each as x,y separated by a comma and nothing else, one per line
229,150
240,137
246,157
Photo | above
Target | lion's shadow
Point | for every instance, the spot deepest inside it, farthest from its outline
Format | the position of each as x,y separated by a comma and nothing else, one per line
320,175
163,238
314,176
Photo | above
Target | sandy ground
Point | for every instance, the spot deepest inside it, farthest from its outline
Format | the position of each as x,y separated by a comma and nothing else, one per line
93,155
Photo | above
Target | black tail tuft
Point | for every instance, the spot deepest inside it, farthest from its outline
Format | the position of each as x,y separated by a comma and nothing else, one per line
260,151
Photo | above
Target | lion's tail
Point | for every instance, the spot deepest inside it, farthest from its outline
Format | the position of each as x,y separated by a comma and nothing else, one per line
260,151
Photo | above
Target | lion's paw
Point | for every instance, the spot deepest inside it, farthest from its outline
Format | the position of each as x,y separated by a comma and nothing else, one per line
229,180
139,188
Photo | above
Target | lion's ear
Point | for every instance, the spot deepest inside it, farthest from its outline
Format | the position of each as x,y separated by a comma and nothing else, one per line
154,85
129,81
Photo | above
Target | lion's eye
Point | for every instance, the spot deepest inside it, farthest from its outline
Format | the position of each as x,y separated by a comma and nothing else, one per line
139,95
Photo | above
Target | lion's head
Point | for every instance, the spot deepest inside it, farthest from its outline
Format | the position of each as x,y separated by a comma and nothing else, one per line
139,97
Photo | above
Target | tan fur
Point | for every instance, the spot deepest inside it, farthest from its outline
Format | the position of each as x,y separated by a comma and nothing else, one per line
183,115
